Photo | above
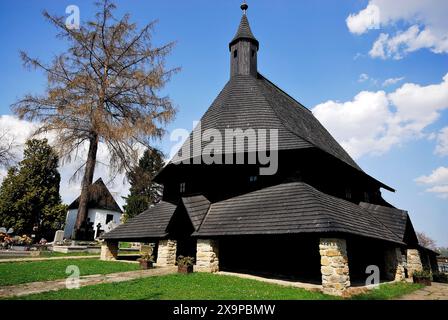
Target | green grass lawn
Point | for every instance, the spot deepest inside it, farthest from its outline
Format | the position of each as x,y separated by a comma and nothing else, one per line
51,254
202,286
389,291
197,286
22,272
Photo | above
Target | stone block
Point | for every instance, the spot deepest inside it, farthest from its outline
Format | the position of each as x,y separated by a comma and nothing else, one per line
334,266
207,256
109,251
166,254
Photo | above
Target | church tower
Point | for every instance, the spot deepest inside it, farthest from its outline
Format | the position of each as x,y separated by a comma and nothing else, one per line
243,49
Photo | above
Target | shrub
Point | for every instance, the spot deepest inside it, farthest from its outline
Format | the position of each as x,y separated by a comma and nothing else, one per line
440,277
422,274
185,261
146,257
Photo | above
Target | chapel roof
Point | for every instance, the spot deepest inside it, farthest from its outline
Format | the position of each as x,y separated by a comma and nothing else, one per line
99,198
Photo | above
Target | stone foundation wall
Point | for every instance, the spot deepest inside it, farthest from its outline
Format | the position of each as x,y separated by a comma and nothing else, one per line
207,256
414,262
109,251
334,266
394,264
166,254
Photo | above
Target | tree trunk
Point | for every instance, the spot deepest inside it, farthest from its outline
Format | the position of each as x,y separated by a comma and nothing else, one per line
86,183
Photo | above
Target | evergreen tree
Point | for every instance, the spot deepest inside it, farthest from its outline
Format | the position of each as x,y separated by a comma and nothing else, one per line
29,195
144,192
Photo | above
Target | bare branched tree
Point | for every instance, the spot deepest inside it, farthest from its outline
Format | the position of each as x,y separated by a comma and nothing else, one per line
426,241
104,88
7,145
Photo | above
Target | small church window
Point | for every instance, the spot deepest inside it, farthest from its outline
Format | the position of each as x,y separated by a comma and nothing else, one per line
348,193
182,187
253,53
366,197
235,53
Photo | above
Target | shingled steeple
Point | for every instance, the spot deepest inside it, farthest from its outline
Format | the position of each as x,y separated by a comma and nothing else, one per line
243,49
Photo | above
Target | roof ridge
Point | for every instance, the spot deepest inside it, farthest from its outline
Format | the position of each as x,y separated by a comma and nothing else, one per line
313,143
314,191
330,213
280,118
105,193
405,212
189,214
205,217
378,220
319,203
283,91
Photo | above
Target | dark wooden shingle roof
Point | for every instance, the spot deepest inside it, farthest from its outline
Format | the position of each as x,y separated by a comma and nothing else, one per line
244,32
197,207
247,102
150,224
99,198
394,219
291,208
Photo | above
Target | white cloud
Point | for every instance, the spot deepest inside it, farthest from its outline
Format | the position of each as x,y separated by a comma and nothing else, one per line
363,77
441,191
364,20
438,176
19,130
437,180
70,190
442,142
425,23
374,122
357,56
392,81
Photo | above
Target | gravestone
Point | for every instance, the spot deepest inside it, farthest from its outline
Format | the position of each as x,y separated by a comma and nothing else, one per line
58,236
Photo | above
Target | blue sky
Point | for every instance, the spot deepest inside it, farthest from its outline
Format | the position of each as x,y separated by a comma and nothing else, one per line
311,51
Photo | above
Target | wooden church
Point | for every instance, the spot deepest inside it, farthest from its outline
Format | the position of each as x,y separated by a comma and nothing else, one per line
319,218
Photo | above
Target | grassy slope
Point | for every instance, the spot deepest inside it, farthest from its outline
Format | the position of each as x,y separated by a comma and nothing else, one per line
205,287
23,272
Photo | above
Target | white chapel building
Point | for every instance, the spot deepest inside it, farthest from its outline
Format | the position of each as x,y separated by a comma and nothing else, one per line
103,211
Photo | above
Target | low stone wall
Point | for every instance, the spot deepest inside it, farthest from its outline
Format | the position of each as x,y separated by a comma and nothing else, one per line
414,262
334,266
166,254
207,256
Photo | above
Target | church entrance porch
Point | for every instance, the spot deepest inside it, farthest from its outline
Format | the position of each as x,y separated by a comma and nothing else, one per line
370,260
287,257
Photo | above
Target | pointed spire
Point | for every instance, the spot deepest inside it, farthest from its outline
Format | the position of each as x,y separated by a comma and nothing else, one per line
244,31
